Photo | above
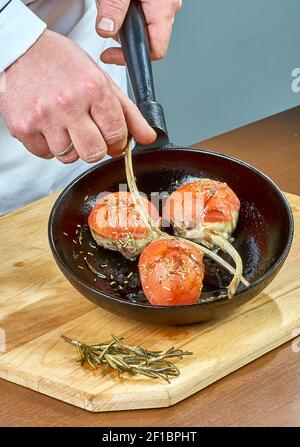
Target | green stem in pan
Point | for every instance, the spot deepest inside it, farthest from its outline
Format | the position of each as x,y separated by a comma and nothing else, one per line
159,234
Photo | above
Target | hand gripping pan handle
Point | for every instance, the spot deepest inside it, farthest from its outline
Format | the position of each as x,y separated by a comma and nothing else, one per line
135,43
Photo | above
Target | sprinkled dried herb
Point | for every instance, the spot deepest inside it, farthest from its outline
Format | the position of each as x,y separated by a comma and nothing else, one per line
130,359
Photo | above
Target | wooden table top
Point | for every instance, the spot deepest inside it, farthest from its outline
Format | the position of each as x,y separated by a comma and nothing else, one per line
266,391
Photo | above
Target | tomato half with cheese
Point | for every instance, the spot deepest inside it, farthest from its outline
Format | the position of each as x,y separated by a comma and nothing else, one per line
116,224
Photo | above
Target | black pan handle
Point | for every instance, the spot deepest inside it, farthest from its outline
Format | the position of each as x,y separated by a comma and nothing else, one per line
135,43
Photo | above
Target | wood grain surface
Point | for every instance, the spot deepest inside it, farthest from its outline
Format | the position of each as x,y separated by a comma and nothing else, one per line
37,305
263,393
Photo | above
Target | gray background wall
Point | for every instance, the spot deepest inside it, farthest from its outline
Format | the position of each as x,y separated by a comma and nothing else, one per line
229,64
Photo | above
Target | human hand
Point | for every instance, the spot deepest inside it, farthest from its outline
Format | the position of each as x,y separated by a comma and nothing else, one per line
56,94
159,17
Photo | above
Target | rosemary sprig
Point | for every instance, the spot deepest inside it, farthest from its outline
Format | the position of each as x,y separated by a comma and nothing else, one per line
130,359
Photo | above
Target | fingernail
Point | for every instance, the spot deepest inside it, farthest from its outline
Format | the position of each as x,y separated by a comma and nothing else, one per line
106,24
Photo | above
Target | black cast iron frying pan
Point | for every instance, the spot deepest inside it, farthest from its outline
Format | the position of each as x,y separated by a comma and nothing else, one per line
263,236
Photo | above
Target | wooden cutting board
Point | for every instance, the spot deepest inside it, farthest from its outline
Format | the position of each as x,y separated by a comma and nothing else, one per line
37,305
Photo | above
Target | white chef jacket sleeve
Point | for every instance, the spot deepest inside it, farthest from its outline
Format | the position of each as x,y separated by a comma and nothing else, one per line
19,30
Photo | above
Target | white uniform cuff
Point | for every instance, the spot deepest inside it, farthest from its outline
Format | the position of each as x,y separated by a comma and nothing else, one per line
19,30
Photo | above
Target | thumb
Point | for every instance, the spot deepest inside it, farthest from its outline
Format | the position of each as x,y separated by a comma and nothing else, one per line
111,14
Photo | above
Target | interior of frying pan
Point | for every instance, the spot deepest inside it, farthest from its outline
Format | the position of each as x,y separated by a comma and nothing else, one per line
262,236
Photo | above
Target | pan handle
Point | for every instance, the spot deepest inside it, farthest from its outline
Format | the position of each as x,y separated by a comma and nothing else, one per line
135,44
